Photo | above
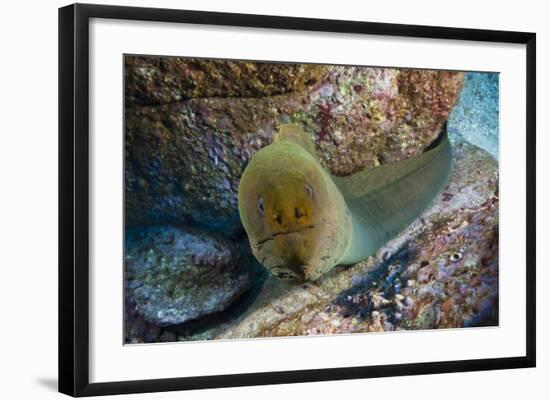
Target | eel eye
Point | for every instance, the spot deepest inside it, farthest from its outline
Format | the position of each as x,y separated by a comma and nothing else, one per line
309,191
261,205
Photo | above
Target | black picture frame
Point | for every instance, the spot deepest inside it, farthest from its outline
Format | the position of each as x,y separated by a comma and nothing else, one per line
74,198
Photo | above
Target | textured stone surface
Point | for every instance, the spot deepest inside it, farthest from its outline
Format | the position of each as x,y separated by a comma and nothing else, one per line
161,80
183,160
174,275
441,272
363,117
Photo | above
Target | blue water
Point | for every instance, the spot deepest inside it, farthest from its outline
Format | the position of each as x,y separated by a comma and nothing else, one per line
476,116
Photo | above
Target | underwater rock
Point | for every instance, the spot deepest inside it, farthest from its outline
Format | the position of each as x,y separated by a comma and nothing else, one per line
175,275
161,80
363,117
476,115
441,272
184,159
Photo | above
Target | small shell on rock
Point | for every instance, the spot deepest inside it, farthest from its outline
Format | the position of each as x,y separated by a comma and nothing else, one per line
456,256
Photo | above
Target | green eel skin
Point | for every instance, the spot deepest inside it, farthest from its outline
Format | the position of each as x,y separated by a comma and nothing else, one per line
301,221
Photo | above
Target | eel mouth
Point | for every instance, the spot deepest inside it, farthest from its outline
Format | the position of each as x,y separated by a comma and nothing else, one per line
272,237
289,274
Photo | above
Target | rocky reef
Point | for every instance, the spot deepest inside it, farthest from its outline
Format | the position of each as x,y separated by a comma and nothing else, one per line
189,274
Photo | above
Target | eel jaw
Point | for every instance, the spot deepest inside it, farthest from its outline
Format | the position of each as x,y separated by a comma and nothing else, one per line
272,237
288,260
288,274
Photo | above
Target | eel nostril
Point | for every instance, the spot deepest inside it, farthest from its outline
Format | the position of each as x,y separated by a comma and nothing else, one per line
299,212
278,218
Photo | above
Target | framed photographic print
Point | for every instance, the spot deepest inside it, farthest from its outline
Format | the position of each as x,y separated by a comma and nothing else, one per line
249,199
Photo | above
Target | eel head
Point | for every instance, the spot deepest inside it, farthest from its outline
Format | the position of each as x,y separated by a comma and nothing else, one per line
285,207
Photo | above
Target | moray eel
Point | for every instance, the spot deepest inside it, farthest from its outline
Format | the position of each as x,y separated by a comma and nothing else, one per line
301,221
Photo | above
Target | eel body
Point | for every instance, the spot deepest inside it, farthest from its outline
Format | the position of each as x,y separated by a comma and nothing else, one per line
301,221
